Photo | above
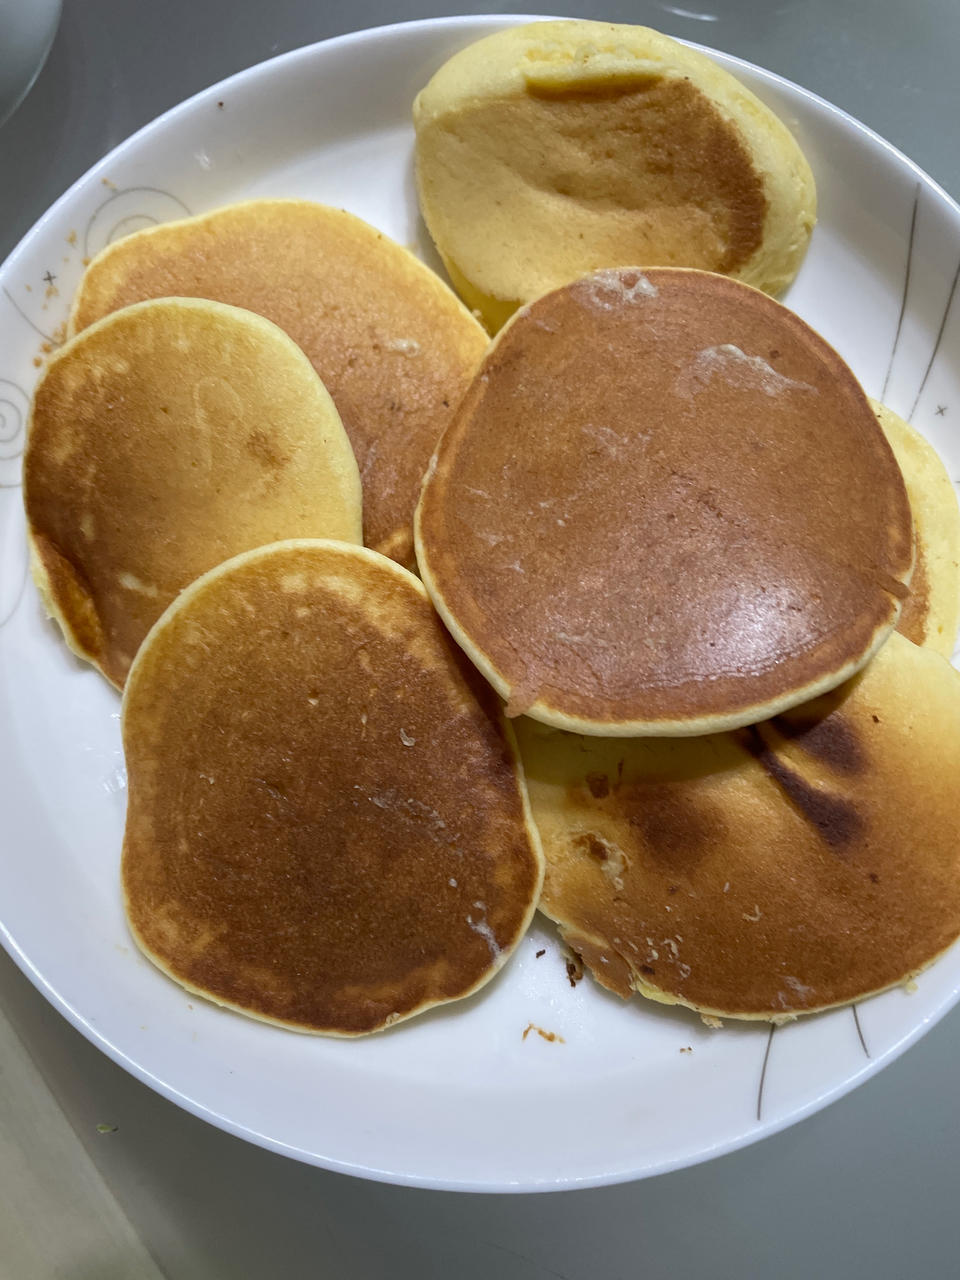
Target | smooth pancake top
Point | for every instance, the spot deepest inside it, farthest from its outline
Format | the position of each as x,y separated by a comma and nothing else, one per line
664,506
790,866
553,149
393,345
326,825
163,440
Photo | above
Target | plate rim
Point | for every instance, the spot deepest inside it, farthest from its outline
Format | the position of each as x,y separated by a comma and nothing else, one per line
99,1039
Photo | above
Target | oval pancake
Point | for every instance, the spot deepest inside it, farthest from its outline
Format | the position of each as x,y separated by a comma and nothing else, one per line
550,150
392,344
782,869
931,612
327,825
663,507
165,439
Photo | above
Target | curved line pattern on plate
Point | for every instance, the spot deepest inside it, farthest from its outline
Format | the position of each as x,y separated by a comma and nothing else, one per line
856,1019
14,410
23,315
936,346
763,1071
906,289
146,206
766,1056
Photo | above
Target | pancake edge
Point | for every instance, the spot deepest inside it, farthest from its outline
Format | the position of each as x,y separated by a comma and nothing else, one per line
530,827
397,542
636,728
707,1012
900,433
764,132
408,257
39,568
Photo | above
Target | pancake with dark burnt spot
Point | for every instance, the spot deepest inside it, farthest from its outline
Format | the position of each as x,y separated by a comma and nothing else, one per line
790,866
327,826
931,612
552,149
393,345
664,507
165,439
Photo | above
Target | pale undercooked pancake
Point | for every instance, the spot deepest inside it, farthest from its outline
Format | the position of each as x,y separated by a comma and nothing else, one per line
664,506
163,440
932,610
327,827
549,150
793,865
393,345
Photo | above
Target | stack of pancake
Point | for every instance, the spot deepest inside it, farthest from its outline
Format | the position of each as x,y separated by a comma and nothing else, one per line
301,734
666,524
677,670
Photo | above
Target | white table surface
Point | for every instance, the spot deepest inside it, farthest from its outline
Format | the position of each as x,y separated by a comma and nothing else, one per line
100,1178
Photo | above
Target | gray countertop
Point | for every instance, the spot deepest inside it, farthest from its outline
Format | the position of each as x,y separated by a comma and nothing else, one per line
866,1187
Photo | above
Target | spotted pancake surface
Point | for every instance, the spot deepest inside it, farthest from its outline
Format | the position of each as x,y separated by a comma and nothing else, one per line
327,827
393,345
550,150
162,440
664,506
790,866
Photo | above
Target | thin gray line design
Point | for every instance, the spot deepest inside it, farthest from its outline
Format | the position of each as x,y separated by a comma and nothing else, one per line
125,191
35,327
763,1071
936,345
20,594
906,288
863,1043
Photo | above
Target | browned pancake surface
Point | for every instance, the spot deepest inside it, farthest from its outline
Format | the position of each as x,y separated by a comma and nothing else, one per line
662,153
784,868
664,506
393,345
163,440
552,149
326,827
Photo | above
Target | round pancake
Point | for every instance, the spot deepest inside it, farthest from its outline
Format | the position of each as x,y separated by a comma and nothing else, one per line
794,865
393,345
163,440
549,150
327,826
664,506
931,612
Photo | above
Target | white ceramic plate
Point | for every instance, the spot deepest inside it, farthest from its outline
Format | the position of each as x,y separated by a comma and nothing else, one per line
457,1098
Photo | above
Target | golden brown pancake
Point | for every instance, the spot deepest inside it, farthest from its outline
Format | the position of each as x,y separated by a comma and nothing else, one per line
163,440
790,866
393,345
664,506
549,150
327,825
931,612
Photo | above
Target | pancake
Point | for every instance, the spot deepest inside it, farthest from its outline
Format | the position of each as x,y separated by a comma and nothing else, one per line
788,867
664,507
547,151
163,440
393,345
931,612
327,827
